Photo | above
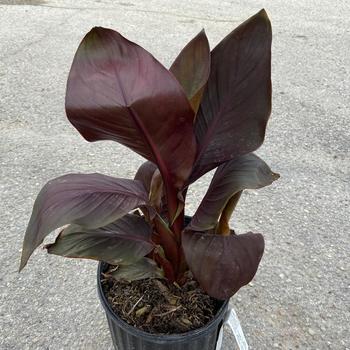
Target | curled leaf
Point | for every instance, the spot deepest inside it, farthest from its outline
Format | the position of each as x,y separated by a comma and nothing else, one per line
156,190
145,173
244,172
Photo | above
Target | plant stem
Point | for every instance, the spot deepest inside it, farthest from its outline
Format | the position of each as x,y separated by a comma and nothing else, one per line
167,241
179,225
172,201
223,227
167,267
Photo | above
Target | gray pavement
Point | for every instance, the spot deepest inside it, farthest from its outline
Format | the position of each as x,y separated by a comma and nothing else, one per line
300,298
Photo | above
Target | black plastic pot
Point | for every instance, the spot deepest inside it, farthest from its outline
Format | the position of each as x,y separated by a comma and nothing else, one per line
126,337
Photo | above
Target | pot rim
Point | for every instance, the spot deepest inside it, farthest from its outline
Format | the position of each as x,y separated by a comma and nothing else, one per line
150,336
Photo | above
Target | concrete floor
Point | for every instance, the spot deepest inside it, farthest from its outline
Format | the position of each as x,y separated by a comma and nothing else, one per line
300,297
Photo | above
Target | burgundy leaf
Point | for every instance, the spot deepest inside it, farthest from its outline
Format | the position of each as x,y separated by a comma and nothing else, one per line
244,172
191,68
236,104
222,264
89,200
117,91
124,241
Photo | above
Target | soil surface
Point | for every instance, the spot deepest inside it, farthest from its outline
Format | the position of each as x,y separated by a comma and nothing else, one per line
156,306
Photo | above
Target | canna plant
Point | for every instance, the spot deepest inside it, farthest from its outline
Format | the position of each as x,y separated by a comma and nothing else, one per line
209,110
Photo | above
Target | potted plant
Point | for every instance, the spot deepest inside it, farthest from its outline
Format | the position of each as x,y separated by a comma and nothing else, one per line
208,111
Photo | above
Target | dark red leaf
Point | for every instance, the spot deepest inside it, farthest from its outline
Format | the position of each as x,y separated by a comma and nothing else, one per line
191,68
89,200
236,104
117,91
124,241
223,264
